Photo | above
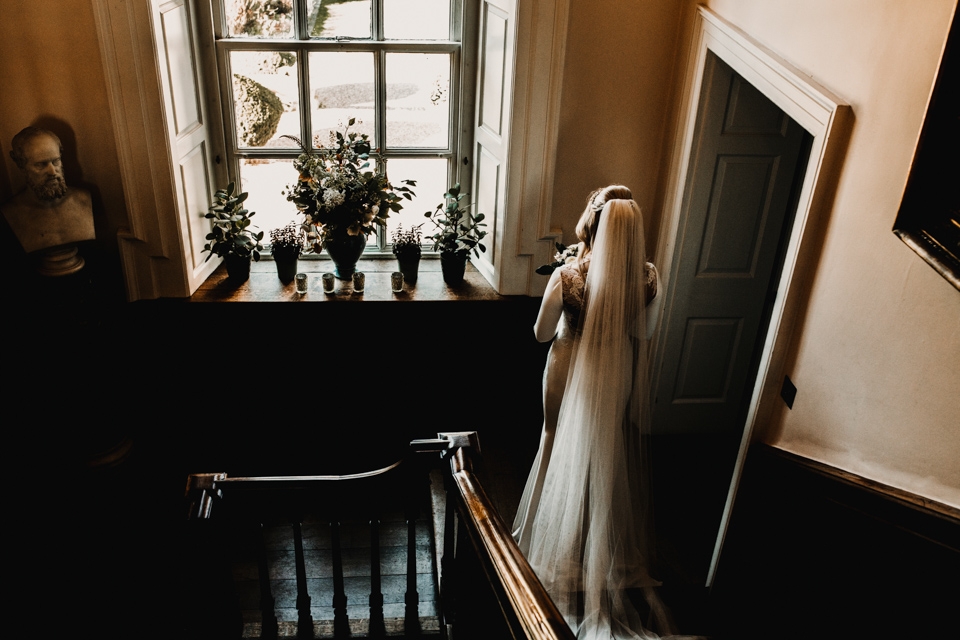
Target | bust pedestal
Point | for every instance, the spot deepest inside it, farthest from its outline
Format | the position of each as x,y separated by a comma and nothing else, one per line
59,261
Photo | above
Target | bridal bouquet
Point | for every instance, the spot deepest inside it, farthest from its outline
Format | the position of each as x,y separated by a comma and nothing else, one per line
564,255
341,191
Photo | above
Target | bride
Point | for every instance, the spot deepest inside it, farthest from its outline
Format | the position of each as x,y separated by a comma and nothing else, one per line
582,521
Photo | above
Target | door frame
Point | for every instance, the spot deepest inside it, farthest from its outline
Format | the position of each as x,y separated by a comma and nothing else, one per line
827,119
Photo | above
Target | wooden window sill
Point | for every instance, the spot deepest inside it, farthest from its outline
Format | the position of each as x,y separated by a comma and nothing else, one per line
265,286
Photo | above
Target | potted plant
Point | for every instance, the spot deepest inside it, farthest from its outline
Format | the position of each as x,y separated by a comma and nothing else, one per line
344,196
407,248
286,243
458,233
232,237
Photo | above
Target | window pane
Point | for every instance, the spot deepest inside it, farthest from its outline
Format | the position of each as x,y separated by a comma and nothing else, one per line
431,176
418,90
265,181
416,19
341,87
339,18
259,18
265,97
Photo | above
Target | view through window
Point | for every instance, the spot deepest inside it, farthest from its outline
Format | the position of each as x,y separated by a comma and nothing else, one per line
304,68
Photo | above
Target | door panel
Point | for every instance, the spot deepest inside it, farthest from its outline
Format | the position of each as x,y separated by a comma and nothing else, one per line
737,216
706,359
737,201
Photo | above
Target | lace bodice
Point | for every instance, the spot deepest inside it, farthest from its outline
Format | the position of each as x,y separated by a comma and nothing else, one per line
573,281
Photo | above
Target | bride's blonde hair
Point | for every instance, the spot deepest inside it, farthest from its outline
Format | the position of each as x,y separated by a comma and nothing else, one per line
590,218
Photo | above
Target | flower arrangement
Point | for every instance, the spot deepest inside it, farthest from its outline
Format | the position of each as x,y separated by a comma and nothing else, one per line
287,241
341,191
457,231
406,243
564,255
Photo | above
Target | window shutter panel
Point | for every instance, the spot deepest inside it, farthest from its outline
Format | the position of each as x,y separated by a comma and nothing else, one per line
150,55
188,130
495,63
520,71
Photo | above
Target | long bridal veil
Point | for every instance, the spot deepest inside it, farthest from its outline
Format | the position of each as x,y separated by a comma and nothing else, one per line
589,539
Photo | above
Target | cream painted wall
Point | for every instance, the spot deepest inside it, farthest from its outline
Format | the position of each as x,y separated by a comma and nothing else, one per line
875,358
51,74
614,118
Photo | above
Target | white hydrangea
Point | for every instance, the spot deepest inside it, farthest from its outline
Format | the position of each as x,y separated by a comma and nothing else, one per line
332,198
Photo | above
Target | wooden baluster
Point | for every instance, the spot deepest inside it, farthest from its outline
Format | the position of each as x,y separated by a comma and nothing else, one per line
304,619
377,625
411,622
448,596
268,614
341,623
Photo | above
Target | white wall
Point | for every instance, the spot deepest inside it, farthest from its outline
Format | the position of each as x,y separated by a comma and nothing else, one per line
875,357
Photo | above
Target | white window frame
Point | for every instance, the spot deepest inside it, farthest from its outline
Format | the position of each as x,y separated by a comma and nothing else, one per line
157,258
302,45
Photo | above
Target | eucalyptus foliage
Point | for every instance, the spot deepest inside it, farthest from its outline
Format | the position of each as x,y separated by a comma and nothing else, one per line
457,230
232,233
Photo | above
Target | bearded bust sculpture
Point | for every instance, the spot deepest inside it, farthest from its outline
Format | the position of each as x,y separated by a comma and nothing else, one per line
48,218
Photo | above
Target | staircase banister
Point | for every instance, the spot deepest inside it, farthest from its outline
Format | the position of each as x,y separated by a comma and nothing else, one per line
517,587
528,609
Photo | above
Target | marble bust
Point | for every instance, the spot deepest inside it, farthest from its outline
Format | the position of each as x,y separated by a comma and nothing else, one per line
48,218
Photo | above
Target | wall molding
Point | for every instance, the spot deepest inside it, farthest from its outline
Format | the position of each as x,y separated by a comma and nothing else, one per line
879,489
812,547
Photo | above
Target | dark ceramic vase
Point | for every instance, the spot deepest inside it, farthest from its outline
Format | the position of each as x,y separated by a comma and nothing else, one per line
238,267
453,265
345,251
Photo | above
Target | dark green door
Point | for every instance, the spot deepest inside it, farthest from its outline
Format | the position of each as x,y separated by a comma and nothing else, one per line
738,202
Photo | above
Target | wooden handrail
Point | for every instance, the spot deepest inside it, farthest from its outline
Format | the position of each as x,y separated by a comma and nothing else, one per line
290,482
529,610
204,487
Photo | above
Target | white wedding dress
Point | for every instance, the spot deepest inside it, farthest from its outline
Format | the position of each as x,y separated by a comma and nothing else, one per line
582,520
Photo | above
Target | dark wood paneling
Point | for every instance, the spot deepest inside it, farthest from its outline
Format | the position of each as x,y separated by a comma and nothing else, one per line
811,552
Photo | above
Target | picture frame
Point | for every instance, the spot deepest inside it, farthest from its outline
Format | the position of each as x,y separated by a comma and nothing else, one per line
928,220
